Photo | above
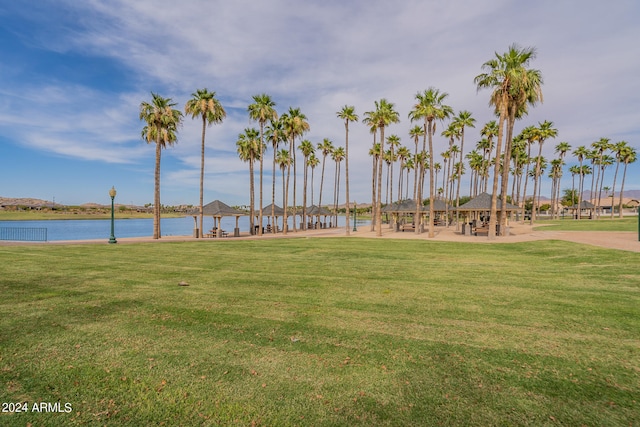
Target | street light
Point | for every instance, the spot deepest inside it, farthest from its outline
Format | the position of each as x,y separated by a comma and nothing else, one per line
355,212
112,193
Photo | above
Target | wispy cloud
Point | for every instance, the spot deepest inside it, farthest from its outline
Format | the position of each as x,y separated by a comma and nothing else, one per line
314,55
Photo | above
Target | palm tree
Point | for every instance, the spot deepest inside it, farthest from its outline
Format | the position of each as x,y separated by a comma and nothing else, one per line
283,159
326,147
403,154
375,154
628,156
262,110
249,150
275,134
429,107
162,121
437,167
384,115
312,162
416,132
581,153
604,162
307,150
555,175
348,114
296,125
204,104
452,132
599,147
370,120
409,165
393,141
462,120
561,149
618,148
338,156
545,130
513,88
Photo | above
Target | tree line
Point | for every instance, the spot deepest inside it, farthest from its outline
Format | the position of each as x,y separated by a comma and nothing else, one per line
499,158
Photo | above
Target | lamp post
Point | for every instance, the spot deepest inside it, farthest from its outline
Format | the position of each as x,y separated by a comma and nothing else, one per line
355,212
112,193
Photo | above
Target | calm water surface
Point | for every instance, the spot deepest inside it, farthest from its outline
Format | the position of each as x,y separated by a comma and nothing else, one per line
101,228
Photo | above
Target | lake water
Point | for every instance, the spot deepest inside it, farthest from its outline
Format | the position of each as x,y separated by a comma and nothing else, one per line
101,228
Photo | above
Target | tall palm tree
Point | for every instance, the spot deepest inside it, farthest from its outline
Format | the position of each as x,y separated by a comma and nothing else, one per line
581,153
307,150
416,132
403,155
452,132
437,167
409,166
599,147
628,156
514,86
369,119
261,111
326,148
283,159
429,107
604,162
393,141
312,162
376,157
249,150
461,121
561,149
296,125
348,114
162,121
338,156
275,134
204,104
618,149
544,131
384,115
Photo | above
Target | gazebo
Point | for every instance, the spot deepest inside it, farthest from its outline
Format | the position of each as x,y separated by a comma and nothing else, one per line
217,210
480,206
584,205
319,211
277,212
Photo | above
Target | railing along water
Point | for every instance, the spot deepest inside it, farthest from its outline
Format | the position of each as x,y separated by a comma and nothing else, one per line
23,234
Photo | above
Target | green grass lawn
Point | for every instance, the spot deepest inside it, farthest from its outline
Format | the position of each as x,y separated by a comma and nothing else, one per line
321,332
602,224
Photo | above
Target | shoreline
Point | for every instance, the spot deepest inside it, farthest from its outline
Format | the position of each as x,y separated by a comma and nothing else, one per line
620,240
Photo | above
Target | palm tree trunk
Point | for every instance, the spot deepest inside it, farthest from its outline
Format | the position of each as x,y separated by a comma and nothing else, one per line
293,154
261,168
156,193
491,234
379,197
526,181
304,196
580,184
346,172
431,190
274,228
204,127
285,224
536,178
624,175
613,189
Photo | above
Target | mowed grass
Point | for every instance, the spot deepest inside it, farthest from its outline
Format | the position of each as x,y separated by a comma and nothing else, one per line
322,332
605,223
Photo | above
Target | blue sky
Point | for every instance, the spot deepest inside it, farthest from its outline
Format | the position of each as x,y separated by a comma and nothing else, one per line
73,75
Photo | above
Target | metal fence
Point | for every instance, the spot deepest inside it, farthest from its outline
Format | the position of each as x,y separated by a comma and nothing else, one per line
23,234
